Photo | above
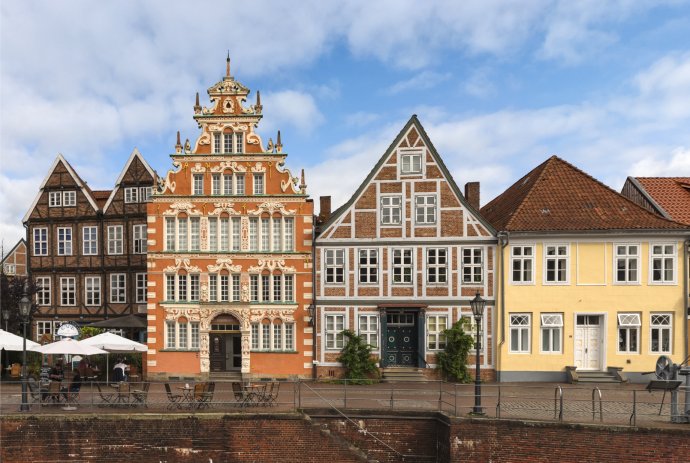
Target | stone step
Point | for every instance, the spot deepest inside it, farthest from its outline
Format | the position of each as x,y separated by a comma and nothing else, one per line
403,374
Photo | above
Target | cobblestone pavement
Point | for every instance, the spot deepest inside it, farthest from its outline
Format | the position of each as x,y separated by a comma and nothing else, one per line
531,401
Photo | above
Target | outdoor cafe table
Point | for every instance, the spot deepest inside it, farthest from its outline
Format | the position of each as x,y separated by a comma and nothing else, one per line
187,394
255,392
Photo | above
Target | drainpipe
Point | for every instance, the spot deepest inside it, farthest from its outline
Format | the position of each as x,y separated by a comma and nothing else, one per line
686,296
313,297
503,239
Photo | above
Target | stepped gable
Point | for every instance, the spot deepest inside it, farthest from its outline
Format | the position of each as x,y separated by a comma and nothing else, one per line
671,194
557,196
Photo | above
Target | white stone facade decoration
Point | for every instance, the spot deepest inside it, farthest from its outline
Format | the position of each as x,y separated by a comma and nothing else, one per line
228,105
291,181
287,315
182,206
232,165
182,263
212,109
271,264
198,168
271,208
203,233
224,207
244,231
224,264
167,184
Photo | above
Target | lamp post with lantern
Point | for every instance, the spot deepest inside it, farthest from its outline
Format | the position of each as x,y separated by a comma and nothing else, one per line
24,314
477,305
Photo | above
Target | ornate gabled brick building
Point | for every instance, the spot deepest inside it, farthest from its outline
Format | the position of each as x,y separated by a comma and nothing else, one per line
87,249
14,261
401,260
229,251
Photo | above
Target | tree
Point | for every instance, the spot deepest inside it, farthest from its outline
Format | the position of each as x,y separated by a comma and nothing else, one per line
357,360
453,359
11,292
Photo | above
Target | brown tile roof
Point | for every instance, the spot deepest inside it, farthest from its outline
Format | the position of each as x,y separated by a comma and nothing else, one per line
557,196
671,193
101,196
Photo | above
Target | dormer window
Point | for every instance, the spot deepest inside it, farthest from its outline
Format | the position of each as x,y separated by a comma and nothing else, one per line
411,163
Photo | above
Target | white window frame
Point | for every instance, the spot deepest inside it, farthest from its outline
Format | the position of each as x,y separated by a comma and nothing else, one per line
92,290
562,255
470,266
216,184
131,195
178,333
40,241
551,323
391,210
666,257
258,184
145,193
69,198
368,272
402,266
43,327
441,278
240,184
43,293
628,323
89,240
217,143
239,142
409,160
54,199
663,330
68,291
275,336
139,239
627,258
64,241
334,266
197,184
368,329
426,205
520,330
170,234
436,324
227,142
118,288
115,240
334,325
523,259
142,288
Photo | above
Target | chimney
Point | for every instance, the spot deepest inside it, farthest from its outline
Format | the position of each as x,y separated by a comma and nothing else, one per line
472,194
325,210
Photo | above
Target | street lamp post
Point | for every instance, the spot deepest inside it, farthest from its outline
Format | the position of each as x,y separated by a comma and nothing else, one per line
477,305
24,312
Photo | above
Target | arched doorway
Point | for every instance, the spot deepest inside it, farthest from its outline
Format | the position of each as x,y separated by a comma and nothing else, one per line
225,350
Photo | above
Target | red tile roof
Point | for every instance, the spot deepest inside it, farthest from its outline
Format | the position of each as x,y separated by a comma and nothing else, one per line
101,196
671,193
557,196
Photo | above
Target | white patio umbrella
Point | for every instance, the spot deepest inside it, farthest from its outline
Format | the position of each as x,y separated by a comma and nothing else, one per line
112,343
68,346
9,341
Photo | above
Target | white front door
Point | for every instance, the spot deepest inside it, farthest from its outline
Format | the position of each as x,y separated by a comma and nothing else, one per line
588,342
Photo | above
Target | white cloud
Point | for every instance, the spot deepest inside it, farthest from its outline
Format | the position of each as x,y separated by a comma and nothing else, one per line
670,164
290,108
422,81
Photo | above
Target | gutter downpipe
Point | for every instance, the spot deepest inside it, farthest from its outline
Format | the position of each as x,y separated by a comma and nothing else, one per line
686,296
503,239
313,297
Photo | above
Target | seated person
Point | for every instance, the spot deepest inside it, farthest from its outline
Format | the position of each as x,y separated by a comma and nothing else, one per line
74,386
83,367
56,374
119,371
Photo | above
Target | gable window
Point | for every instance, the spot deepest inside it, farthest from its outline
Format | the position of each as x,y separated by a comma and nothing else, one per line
335,266
194,232
198,184
335,324
131,195
118,289
92,290
169,234
660,333
69,198
55,199
368,266
628,332
551,332
519,333
402,266
390,210
436,265
64,241
145,193
227,184
239,142
522,263
288,234
663,266
258,184
182,235
43,290
239,184
227,143
627,263
265,233
425,209
435,337
369,329
253,234
139,241
215,184
472,270
411,163
89,241
216,143
68,291
115,239
141,287
40,241
556,263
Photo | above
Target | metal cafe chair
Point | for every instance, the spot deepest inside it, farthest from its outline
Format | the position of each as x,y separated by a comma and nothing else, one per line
174,399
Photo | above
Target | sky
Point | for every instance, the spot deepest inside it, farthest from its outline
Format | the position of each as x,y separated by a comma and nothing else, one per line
499,85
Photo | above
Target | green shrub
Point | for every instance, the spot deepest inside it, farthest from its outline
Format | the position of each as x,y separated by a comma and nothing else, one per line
453,360
357,360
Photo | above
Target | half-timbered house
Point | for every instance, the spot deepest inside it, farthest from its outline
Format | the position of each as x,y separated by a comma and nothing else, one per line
229,252
400,261
87,248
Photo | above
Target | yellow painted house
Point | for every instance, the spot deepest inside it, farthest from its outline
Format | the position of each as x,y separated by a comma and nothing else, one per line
591,285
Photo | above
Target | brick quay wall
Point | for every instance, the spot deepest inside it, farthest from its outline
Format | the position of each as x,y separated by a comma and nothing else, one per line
290,437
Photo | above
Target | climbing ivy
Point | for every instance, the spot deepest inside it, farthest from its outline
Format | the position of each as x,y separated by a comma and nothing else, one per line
357,360
453,359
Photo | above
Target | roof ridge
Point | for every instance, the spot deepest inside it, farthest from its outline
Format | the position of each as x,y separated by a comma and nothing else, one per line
544,165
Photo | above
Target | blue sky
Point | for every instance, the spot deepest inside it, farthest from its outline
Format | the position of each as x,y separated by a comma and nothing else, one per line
499,85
